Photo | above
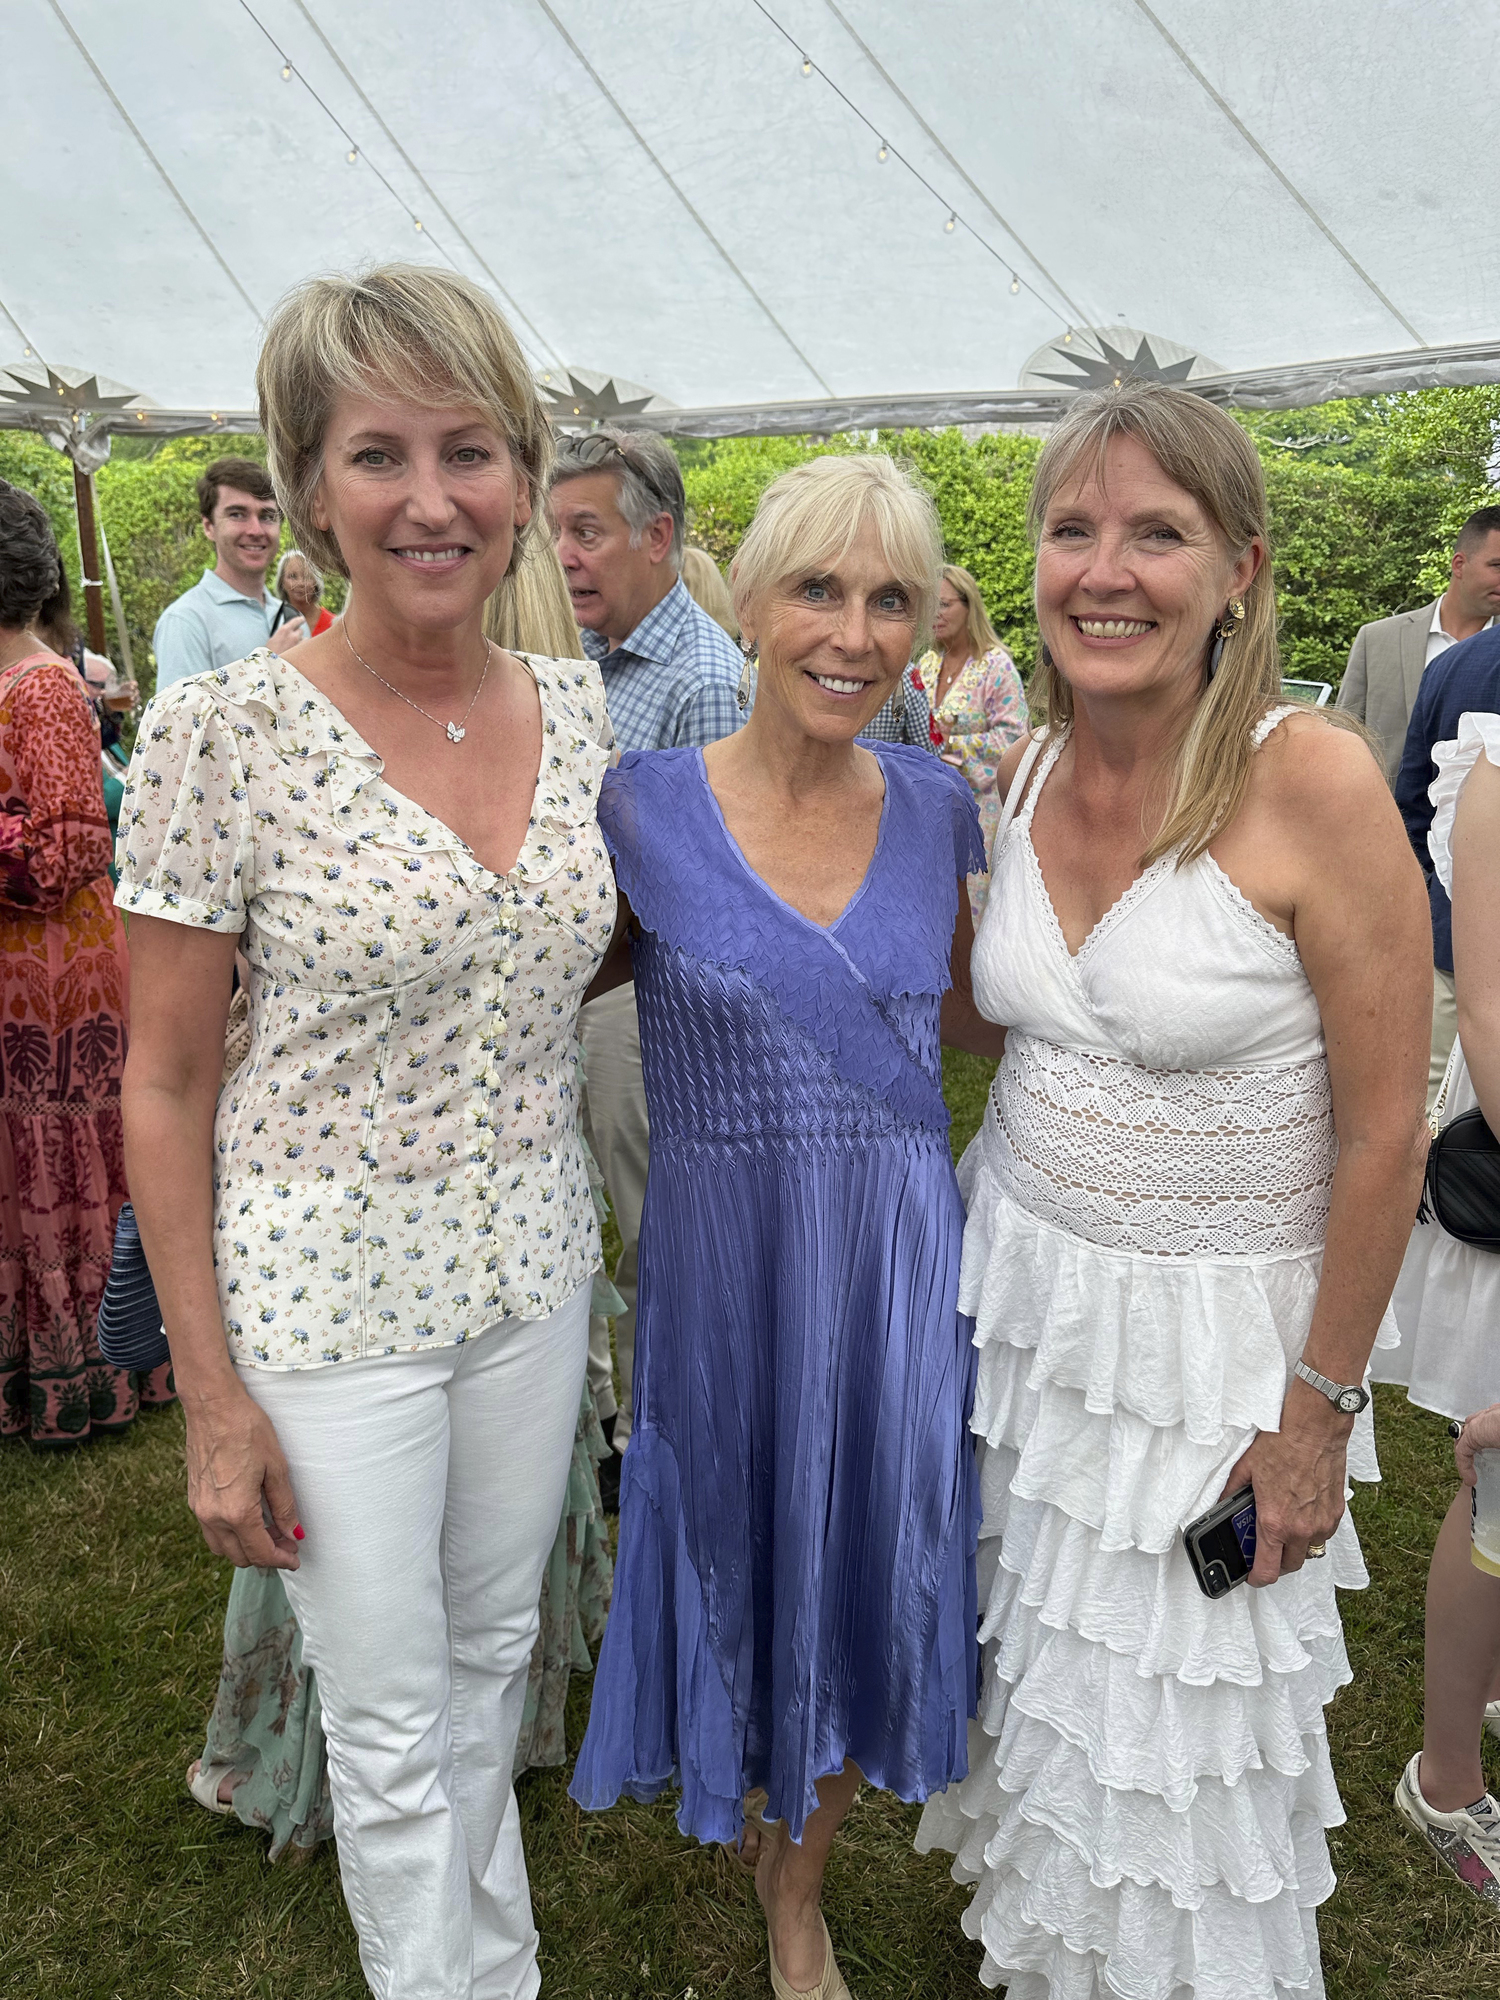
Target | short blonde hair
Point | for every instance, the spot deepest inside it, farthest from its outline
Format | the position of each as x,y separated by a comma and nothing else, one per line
531,611
403,329
983,638
1207,455
707,587
812,514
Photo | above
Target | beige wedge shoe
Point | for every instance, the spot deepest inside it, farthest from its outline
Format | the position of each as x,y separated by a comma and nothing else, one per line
830,1987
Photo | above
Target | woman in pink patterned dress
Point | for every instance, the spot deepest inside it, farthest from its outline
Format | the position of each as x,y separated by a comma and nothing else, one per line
62,1024
978,702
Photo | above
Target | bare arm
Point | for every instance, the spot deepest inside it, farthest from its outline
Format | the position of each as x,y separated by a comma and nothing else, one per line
180,992
615,968
1360,921
1476,932
962,1024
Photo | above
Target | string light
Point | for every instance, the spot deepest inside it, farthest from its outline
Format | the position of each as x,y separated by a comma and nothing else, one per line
416,223
286,72
1068,338
352,155
884,150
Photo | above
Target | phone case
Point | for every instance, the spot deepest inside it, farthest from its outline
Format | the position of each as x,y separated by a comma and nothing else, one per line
1221,1543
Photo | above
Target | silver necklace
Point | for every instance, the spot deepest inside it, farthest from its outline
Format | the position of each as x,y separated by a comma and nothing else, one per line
456,731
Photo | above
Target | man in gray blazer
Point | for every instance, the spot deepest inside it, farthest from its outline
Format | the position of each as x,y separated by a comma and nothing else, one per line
1388,659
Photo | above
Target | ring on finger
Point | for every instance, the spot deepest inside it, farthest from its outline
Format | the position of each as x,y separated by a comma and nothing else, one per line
1316,1549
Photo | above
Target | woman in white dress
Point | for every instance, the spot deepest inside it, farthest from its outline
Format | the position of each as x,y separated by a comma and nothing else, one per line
1208,938
1447,1306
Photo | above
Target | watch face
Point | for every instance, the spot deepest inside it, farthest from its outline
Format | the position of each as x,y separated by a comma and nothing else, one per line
1351,1400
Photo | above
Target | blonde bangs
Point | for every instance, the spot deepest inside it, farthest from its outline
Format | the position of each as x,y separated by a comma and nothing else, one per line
810,517
1207,455
405,331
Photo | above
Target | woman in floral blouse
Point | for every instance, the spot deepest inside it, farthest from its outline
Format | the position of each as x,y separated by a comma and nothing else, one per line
978,702
373,1250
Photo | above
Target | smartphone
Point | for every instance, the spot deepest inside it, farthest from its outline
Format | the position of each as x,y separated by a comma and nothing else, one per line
1221,1543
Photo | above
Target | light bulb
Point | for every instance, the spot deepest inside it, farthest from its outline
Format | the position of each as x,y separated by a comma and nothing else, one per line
546,377
950,225
807,65
352,155
28,351
416,223
881,155
286,72
214,415
1015,283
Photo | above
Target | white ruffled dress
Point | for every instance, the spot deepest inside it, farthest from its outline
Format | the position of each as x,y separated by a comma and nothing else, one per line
1149,1775
1447,1302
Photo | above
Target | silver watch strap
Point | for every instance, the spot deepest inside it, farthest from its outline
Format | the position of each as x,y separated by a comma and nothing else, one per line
1332,1390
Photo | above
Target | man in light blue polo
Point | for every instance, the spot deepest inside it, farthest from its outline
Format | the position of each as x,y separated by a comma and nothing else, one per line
229,611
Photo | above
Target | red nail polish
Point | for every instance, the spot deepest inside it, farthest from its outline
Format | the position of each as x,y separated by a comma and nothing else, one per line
297,1534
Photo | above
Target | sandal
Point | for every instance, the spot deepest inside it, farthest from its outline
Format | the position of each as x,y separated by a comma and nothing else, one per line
204,1786
765,1829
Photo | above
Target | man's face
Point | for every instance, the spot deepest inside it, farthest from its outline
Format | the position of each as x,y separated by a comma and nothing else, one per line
244,530
612,585
1476,578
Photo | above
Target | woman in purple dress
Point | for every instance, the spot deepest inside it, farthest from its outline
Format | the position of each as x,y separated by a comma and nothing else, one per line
795,1602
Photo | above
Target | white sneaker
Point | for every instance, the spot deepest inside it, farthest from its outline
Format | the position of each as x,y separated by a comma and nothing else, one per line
1467,1841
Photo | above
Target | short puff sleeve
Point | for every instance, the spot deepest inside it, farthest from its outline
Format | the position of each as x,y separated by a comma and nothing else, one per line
186,844
1478,736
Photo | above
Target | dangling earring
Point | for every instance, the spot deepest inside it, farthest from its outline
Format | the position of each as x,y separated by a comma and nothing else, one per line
744,694
1047,660
1226,628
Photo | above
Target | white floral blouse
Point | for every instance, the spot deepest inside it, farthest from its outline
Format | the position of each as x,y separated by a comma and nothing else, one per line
396,1161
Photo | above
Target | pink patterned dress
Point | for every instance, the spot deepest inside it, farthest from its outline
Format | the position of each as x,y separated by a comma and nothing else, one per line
63,988
983,712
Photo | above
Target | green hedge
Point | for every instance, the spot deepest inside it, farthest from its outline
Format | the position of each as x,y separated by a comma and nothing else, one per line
1365,500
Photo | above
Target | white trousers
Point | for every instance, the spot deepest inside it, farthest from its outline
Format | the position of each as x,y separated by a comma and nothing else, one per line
615,1127
430,1488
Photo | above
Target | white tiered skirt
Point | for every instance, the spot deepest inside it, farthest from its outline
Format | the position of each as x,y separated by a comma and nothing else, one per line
1149,1778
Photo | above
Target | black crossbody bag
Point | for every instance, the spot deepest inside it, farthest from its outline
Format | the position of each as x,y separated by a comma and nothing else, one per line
1462,1184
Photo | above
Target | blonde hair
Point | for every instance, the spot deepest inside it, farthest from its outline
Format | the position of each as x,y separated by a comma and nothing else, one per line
983,637
701,575
531,611
401,329
812,514
1209,457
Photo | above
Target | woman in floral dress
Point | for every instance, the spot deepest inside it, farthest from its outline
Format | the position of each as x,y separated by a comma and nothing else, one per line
62,1025
978,702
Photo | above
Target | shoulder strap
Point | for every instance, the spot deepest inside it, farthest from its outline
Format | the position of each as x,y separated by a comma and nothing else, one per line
1018,786
1270,719
1437,1116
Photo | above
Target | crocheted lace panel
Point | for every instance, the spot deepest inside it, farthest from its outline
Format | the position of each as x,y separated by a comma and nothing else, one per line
1166,1163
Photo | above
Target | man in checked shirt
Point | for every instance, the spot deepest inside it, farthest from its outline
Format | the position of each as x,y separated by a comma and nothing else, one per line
670,676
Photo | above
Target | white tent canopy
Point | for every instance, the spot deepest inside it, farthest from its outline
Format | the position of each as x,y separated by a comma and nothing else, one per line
687,195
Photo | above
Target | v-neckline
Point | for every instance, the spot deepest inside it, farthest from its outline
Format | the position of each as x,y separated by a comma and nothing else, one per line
356,746
825,930
1120,907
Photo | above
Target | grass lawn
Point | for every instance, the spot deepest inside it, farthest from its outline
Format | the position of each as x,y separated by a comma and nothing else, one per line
114,1886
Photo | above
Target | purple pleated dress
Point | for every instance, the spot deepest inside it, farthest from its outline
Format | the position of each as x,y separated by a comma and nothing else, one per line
798,1508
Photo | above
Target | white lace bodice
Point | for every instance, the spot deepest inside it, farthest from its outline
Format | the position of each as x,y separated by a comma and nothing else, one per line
1165,1090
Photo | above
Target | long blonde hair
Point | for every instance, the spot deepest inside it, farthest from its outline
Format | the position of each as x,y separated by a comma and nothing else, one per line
983,638
530,611
707,587
1206,454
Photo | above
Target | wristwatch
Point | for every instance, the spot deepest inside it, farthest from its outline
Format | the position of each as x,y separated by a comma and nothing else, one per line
1347,1397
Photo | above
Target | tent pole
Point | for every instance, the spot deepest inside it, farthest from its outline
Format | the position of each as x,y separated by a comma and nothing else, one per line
88,549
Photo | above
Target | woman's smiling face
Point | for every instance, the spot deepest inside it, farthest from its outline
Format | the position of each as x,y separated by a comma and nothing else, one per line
425,504
1131,576
834,641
